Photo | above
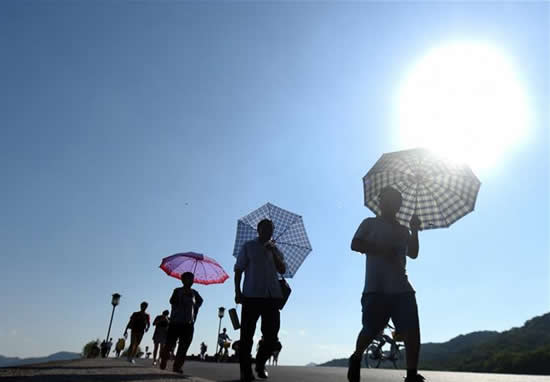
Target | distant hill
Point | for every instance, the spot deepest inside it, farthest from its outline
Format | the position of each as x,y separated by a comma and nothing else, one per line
524,350
16,361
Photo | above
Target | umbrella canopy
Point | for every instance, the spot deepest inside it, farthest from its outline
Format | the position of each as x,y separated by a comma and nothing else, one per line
289,234
206,270
438,191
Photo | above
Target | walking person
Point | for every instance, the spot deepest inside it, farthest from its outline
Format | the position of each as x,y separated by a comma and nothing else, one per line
387,292
204,348
161,331
119,347
185,302
139,323
261,263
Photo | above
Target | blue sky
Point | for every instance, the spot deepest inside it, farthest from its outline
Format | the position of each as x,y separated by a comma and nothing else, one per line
132,131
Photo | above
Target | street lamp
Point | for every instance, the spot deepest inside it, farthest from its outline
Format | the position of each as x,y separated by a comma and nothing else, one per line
221,311
114,302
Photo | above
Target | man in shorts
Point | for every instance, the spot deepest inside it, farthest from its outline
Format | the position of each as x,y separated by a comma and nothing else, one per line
139,323
387,292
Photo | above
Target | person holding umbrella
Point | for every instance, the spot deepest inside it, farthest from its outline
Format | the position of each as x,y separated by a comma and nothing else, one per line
261,262
185,302
387,292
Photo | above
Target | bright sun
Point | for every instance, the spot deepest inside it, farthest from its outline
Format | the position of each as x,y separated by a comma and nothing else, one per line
465,101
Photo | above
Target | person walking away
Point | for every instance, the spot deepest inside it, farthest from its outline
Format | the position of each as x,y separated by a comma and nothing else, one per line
203,351
186,303
161,331
261,263
119,347
139,323
387,292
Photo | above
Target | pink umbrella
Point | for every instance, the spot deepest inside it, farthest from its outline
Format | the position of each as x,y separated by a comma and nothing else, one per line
206,270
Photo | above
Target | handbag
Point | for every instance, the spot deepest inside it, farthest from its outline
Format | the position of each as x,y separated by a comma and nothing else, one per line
286,290
234,318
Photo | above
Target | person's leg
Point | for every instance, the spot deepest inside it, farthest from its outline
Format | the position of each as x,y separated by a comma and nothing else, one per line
250,314
271,323
185,339
374,319
155,352
405,318
171,338
133,345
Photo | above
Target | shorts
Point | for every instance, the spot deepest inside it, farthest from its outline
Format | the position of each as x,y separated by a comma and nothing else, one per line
159,337
378,308
136,336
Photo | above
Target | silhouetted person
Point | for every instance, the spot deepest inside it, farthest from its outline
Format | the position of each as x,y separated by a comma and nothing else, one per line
119,347
185,302
261,263
204,348
139,323
387,292
223,338
161,331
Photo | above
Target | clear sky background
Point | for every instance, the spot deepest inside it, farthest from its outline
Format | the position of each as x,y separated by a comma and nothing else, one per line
131,131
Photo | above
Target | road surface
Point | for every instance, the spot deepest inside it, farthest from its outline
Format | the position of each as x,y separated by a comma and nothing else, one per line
113,370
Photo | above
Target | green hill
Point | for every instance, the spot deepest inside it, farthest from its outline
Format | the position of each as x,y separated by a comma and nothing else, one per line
524,350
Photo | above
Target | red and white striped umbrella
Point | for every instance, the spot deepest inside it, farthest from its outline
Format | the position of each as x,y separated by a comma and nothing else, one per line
206,270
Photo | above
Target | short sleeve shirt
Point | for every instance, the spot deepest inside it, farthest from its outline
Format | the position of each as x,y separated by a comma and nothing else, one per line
260,275
139,321
385,273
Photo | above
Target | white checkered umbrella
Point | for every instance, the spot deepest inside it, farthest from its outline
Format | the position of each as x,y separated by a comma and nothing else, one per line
289,234
438,191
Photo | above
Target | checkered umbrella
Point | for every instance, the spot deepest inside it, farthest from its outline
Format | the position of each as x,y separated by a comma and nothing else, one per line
438,191
289,234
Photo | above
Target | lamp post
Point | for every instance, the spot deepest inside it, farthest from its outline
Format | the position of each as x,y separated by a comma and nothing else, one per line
221,311
114,301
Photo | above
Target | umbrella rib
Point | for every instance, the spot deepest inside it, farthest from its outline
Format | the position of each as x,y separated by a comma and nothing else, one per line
287,227
436,203
294,245
432,180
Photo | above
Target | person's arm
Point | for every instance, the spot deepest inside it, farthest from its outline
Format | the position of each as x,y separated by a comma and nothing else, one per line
238,293
359,243
240,266
174,298
129,325
413,246
278,259
198,304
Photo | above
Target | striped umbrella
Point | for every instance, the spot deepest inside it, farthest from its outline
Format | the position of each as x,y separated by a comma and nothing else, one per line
289,234
206,270
438,191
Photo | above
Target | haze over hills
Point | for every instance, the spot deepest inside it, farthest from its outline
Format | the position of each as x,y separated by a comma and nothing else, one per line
523,350
16,361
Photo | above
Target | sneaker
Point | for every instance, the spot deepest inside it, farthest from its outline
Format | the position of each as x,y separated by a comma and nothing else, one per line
354,368
163,362
416,378
133,362
262,373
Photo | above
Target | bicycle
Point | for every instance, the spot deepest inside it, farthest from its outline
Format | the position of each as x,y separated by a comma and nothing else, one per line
375,355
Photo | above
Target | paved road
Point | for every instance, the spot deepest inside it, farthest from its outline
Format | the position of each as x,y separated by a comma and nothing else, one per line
120,371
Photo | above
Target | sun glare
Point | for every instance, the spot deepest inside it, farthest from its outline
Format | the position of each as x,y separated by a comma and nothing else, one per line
464,101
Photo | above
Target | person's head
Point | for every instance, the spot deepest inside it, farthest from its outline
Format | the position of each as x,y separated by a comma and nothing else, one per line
165,313
390,201
110,340
187,279
265,230
224,330
144,306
